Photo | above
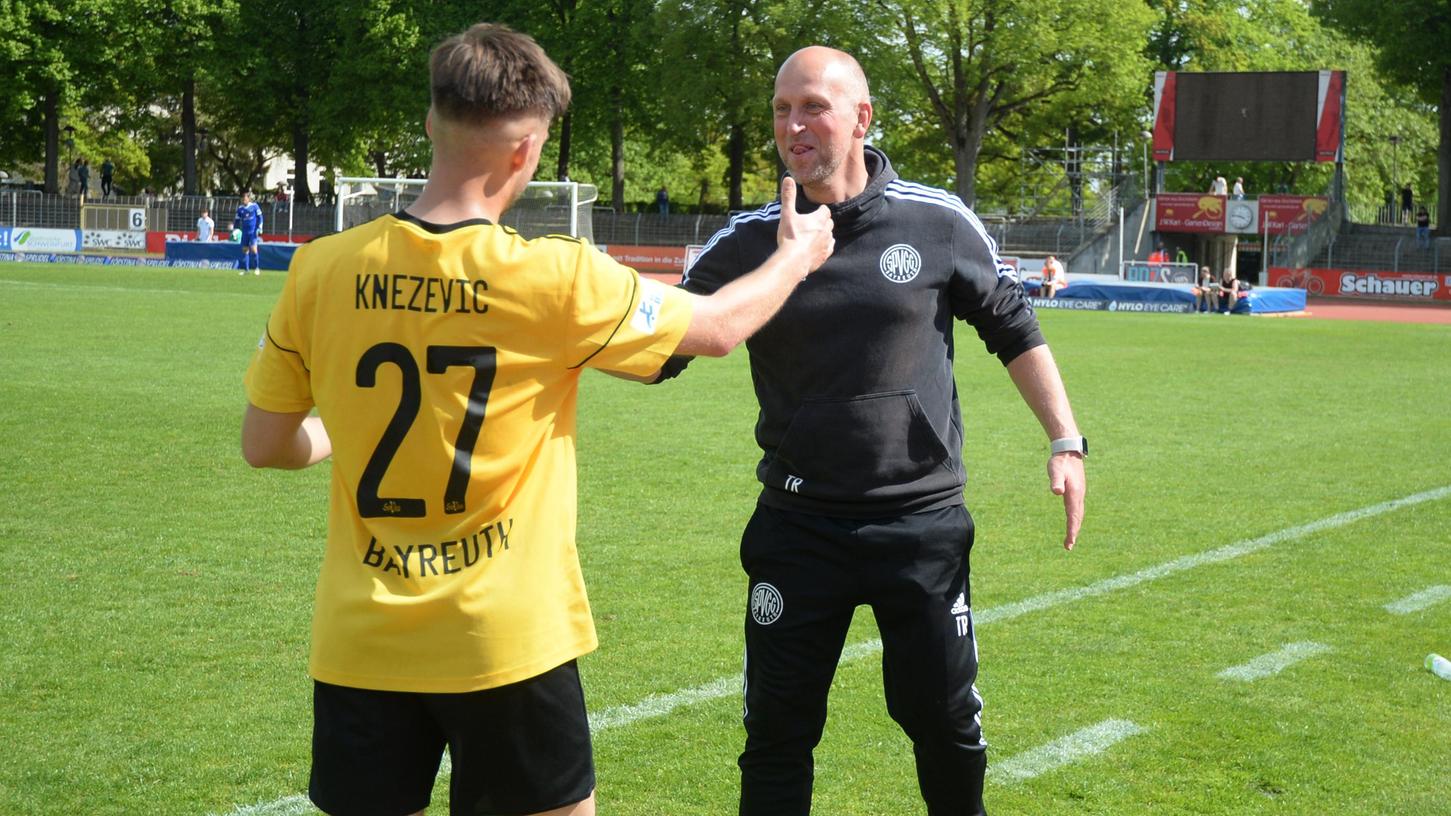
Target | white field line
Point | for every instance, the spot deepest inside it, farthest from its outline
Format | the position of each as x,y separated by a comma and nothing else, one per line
287,806
80,287
1275,662
660,705
1081,744
1430,596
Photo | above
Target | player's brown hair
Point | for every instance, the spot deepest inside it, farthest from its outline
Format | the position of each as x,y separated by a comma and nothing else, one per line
492,71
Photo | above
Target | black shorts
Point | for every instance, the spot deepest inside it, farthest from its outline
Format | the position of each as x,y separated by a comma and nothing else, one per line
516,749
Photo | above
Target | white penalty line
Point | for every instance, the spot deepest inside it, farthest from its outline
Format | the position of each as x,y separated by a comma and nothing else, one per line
1426,598
135,290
660,705
1081,744
1268,665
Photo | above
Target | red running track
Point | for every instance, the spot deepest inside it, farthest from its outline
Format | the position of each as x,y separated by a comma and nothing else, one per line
1326,309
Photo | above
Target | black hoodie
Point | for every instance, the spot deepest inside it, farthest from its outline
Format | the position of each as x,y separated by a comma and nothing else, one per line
859,413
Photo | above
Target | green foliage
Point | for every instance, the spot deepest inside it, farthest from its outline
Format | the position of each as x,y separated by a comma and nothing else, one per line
1410,41
999,75
678,89
1410,38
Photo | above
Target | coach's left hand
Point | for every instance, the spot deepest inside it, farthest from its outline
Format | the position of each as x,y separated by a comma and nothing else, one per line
1066,479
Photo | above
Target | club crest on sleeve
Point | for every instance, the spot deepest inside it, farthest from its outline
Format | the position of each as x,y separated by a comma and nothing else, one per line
766,604
652,297
900,263
262,340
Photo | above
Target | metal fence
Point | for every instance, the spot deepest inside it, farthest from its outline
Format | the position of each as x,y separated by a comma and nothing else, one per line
1391,214
654,229
29,208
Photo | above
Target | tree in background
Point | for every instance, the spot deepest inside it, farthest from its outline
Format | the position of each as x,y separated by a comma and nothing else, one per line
720,70
972,68
676,92
1413,46
58,58
175,47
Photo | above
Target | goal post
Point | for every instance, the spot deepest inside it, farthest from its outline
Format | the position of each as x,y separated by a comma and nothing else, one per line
545,208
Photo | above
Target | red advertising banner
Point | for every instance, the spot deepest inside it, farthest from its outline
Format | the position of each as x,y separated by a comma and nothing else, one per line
1188,212
1364,283
156,241
1329,136
648,258
1289,213
1165,105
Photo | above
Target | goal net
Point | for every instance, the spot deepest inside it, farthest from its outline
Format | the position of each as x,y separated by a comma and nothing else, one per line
545,208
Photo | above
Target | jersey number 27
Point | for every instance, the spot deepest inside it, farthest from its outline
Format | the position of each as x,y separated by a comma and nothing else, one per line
439,358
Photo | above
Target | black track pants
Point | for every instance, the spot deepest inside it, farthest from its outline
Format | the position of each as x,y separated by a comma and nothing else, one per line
807,575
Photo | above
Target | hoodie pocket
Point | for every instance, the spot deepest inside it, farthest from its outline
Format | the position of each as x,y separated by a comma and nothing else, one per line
874,446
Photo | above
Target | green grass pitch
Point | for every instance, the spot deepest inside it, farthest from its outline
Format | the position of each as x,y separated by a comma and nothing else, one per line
155,593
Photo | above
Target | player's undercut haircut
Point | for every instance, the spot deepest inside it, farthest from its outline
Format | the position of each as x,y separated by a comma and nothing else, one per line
491,71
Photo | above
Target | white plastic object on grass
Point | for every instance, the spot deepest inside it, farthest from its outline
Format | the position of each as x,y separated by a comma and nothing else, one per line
1439,666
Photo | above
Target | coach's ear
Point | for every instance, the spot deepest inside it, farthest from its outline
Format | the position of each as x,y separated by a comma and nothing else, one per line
863,119
428,122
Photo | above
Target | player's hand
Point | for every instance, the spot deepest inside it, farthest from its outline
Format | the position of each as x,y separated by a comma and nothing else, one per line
1066,479
812,230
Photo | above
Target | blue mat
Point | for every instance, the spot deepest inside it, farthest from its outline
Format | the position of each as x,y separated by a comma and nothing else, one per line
269,256
1172,297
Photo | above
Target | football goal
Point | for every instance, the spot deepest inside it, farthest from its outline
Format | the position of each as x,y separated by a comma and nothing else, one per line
545,208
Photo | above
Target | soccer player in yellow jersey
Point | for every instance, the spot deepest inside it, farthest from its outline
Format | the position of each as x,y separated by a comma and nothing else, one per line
443,354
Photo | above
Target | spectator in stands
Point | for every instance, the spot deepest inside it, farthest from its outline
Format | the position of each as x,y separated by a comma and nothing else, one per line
279,196
1238,193
662,200
1423,228
1159,255
1219,186
85,177
325,187
205,227
1228,289
108,170
1407,199
1054,278
73,178
1206,293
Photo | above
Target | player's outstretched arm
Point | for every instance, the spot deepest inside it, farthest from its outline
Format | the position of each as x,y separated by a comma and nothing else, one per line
1036,375
723,320
290,441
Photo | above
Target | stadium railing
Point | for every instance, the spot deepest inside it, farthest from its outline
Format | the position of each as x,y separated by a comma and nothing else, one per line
177,213
654,229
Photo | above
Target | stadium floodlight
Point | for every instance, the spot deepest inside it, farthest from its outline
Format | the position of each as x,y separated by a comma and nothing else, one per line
545,208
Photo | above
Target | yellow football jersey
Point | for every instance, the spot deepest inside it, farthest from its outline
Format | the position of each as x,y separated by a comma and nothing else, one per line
445,362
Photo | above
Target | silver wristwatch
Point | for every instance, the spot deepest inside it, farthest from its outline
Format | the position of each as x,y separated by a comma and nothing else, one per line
1071,444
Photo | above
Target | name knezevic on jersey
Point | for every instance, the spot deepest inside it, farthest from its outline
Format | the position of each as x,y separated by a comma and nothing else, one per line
419,293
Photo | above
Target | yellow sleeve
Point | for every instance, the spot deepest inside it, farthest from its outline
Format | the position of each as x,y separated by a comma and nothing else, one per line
621,321
277,379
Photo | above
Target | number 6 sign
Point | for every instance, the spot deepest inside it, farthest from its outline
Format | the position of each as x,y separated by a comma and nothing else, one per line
137,219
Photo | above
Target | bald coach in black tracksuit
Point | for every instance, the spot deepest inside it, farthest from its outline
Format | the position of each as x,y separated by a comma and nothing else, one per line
862,472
